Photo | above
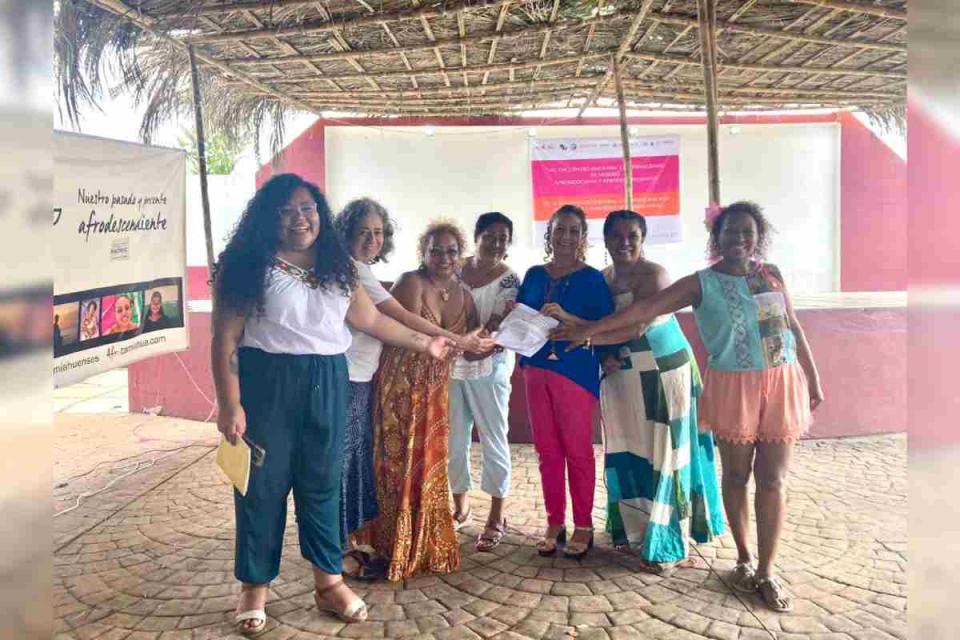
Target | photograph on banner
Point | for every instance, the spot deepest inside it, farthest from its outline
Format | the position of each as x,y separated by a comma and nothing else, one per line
119,239
588,173
85,320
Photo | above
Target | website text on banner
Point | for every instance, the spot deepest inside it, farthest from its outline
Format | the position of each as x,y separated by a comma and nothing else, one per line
588,173
119,241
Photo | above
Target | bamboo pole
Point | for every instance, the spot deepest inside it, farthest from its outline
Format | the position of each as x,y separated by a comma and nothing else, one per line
624,140
705,11
202,159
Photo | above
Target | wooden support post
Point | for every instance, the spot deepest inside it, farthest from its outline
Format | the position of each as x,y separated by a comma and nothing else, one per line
706,13
202,160
624,140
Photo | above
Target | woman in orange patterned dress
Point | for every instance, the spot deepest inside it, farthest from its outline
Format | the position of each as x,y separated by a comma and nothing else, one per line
415,529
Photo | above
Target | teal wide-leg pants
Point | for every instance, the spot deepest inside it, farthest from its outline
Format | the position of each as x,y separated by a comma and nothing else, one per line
296,409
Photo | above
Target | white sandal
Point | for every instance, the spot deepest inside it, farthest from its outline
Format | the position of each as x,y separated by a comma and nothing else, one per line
258,615
355,611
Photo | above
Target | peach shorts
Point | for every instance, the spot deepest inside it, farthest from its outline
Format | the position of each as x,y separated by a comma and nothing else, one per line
745,407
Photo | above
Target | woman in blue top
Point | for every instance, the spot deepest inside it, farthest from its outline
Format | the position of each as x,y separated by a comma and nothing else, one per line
562,386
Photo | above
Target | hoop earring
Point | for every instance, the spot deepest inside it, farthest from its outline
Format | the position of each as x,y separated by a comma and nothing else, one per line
582,253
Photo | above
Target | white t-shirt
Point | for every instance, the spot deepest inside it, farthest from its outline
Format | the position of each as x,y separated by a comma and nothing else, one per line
363,357
490,299
299,319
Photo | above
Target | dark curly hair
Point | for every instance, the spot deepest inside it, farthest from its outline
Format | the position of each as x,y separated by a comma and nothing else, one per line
490,218
567,209
626,216
240,274
437,227
350,217
752,209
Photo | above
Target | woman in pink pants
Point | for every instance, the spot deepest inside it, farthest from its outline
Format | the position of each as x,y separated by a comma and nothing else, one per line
562,386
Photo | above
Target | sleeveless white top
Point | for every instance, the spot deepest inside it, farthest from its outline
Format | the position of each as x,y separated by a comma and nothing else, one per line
490,299
299,319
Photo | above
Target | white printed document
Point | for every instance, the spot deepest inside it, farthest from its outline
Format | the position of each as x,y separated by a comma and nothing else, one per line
524,330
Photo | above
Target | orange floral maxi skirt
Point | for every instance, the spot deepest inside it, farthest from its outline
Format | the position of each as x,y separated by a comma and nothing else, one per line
411,429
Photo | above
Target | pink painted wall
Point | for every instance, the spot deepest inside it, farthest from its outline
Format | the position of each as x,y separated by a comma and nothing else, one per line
165,380
873,211
303,156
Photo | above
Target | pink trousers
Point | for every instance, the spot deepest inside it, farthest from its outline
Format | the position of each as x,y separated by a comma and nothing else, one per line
561,417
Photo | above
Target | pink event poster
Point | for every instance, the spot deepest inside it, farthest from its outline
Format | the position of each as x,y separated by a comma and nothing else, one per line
588,173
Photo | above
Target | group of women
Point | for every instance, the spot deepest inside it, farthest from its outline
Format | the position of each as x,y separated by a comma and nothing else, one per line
363,400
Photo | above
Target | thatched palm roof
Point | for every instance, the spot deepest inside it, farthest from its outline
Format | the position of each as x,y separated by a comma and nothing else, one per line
481,57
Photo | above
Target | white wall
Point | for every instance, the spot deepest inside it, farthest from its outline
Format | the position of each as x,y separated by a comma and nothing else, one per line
228,198
793,171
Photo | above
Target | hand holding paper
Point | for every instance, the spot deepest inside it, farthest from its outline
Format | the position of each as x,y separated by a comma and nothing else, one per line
524,330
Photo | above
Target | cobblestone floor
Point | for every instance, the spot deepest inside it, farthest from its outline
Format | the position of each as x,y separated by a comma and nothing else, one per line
151,557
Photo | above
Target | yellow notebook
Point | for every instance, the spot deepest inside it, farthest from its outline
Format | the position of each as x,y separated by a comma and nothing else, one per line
234,461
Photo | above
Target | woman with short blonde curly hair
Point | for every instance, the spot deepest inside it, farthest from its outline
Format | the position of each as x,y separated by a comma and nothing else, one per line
414,528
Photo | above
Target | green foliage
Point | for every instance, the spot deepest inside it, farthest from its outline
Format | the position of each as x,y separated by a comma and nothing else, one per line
221,150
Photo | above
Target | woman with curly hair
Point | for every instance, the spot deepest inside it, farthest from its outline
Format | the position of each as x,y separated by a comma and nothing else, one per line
367,231
285,288
761,384
411,419
562,386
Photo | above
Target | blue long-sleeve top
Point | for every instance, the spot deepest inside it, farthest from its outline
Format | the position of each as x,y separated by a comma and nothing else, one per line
585,294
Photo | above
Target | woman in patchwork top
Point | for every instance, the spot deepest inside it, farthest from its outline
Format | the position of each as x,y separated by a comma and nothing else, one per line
660,472
761,384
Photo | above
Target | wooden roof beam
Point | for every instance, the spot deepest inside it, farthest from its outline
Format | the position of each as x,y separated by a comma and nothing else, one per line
781,34
618,55
149,25
489,68
307,28
856,7
681,60
493,36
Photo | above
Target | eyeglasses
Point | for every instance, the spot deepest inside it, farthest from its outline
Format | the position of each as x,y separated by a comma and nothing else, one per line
305,209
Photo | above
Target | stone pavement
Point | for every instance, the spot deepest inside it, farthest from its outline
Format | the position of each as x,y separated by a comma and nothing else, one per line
151,556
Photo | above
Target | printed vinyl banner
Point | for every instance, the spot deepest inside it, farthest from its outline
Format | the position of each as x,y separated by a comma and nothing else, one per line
588,173
119,242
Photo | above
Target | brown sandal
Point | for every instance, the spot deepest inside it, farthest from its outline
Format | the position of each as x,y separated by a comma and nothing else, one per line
775,595
486,542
